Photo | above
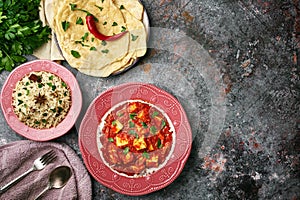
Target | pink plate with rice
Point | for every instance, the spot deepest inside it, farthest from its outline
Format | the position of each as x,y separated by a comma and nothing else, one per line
19,102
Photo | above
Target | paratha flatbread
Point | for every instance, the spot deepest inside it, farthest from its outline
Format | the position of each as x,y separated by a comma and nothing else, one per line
95,57
132,6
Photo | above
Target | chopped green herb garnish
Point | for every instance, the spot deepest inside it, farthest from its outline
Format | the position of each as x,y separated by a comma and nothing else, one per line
100,8
84,37
144,125
53,110
163,124
64,84
115,24
45,114
123,29
114,123
44,121
53,87
111,139
65,25
82,44
134,37
93,39
131,124
27,92
37,122
122,7
132,132
93,49
75,54
27,83
40,85
105,51
104,23
50,78
132,115
79,21
60,109
146,155
159,144
19,94
153,129
49,84
126,150
103,43
60,101
20,102
154,114
74,8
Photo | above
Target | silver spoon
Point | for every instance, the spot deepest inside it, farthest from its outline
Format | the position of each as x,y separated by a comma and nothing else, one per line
58,178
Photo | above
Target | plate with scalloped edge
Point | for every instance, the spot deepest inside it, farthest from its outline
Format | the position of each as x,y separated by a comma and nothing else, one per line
31,132
130,183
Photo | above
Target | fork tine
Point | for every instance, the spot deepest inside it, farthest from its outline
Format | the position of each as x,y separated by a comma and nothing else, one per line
49,159
46,155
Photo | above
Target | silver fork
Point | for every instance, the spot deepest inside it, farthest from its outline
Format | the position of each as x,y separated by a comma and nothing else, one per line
39,164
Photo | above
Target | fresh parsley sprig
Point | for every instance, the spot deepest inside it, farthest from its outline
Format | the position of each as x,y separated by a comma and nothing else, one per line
21,31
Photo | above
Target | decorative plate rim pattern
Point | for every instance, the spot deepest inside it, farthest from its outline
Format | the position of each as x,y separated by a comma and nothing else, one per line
41,134
88,139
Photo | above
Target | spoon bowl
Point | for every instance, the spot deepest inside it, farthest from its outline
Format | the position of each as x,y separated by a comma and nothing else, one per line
58,178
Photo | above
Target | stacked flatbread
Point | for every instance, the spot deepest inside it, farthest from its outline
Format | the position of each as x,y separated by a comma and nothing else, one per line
93,56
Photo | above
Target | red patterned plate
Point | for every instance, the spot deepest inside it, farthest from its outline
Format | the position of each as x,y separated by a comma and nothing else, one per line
125,184
40,134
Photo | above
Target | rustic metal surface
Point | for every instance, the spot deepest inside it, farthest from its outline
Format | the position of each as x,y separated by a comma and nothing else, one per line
234,66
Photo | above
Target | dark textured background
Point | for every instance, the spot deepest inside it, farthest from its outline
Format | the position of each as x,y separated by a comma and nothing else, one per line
255,47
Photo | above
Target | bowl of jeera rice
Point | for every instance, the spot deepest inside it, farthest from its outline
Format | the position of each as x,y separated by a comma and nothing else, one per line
41,100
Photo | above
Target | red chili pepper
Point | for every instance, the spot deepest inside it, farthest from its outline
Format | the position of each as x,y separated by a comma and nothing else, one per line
90,21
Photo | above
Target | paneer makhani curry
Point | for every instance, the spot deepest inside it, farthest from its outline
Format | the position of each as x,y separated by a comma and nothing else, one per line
136,138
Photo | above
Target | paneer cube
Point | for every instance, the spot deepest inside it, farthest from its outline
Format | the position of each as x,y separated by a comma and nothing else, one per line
139,143
121,140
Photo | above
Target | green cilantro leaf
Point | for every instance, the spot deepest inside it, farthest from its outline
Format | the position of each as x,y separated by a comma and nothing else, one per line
134,37
65,25
79,21
105,51
75,54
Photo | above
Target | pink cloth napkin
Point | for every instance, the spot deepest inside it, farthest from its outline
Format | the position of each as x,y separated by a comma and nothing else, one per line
17,157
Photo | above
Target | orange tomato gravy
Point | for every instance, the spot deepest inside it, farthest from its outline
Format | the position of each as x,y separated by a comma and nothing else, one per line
136,138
